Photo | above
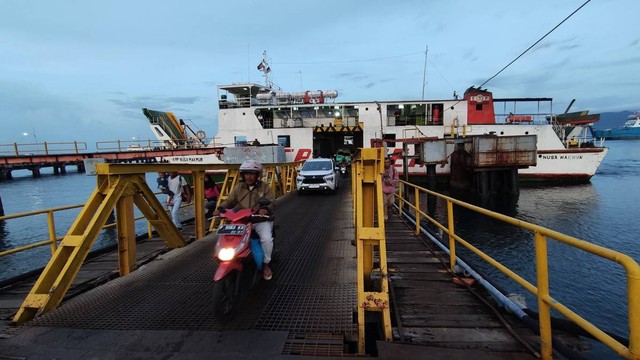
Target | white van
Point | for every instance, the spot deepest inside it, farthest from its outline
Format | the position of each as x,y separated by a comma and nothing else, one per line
317,174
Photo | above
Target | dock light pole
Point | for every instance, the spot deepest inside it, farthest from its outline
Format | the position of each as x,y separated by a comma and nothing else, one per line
35,138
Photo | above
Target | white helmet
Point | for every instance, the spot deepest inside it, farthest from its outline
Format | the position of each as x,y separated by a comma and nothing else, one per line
251,166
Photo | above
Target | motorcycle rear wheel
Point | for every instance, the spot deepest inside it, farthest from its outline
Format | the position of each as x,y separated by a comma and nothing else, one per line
225,295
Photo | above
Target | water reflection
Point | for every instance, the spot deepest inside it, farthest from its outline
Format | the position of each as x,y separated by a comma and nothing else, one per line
3,233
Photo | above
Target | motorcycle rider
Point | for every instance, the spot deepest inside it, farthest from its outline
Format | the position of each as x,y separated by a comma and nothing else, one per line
344,168
245,196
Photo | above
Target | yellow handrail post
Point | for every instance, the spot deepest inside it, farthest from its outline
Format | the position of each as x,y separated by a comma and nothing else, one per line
52,231
452,240
417,197
633,300
542,273
400,199
198,196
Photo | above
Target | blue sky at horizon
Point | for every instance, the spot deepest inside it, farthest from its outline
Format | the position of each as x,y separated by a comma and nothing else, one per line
83,70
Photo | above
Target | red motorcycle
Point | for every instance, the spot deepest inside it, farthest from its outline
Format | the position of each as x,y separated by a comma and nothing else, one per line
239,255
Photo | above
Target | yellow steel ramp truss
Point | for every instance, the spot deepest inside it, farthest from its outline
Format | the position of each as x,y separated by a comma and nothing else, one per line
112,191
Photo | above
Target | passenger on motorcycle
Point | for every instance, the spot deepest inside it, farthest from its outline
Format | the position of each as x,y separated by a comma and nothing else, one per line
244,196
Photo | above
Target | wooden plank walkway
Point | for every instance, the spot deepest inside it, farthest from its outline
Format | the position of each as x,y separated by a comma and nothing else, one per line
430,310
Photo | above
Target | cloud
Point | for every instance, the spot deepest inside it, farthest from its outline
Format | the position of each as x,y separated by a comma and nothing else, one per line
156,102
32,109
352,76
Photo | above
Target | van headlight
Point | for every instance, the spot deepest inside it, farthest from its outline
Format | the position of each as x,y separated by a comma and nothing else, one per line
329,178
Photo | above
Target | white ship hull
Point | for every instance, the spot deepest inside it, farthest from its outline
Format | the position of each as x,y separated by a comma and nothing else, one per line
307,126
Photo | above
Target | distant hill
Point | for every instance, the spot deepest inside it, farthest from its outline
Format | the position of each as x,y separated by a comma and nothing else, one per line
611,120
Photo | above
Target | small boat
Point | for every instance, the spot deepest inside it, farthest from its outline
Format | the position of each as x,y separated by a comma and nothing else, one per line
630,130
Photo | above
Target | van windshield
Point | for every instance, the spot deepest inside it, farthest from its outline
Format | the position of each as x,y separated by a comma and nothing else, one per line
317,165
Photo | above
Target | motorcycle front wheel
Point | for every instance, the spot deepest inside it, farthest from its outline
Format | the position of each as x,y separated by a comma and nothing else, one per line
225,295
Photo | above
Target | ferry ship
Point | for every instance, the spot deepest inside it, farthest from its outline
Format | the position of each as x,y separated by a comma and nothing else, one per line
313,124
630,130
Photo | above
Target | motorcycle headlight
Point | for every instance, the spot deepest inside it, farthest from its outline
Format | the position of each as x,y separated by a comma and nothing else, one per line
226,254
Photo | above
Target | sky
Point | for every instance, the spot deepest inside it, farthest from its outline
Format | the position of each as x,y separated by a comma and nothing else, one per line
82,70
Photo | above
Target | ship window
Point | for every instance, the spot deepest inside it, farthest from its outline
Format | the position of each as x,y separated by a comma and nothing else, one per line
327,112
307,113
478,107
391,144
284,140
282,114
240,140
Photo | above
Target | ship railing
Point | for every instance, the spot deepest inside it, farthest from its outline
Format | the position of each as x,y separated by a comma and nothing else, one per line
150,144
409,198
522,118
42,148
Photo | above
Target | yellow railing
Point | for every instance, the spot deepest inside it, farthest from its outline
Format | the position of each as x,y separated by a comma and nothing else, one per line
51,225
545,301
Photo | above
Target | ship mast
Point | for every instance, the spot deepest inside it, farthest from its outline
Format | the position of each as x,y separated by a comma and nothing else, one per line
424,72
266,69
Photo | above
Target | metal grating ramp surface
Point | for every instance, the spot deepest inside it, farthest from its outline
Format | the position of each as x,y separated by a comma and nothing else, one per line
312,295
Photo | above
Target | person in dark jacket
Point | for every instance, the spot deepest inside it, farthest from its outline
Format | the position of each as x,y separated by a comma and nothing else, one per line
245,196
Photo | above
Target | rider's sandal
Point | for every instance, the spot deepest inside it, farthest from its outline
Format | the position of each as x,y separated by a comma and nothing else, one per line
267,275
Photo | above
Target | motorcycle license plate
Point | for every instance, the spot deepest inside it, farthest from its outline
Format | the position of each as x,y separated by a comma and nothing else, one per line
232,229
